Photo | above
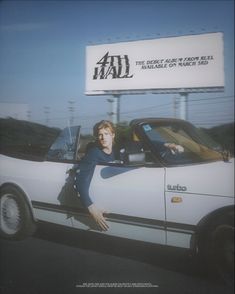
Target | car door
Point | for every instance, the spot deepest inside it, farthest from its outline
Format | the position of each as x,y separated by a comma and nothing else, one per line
133,199
51,187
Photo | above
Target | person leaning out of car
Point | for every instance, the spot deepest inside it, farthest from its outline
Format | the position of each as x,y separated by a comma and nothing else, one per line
102,151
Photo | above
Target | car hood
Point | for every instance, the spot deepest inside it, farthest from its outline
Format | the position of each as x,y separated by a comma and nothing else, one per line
216,178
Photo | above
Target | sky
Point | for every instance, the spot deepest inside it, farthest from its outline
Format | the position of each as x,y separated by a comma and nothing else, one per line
42,56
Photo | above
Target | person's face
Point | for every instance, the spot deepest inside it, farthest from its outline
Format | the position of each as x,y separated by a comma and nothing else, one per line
105,137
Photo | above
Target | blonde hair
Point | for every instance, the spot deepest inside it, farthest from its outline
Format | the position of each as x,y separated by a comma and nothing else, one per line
103,124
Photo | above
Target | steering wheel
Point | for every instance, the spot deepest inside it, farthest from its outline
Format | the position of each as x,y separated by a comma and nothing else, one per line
167,152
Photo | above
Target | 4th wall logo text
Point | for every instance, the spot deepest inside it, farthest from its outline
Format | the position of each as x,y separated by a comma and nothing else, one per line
112,66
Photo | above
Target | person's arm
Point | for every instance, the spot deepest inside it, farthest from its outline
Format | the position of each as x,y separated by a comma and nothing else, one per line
83,181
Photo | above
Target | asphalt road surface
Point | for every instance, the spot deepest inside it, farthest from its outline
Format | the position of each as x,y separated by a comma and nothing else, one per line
61,262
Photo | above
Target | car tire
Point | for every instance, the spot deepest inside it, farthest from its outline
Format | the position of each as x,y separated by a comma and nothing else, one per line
16,221
218,251
222,250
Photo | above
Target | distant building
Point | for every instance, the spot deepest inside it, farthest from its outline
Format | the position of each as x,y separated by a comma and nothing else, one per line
15,110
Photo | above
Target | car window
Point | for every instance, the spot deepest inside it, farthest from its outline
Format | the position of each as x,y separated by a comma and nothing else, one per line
65,146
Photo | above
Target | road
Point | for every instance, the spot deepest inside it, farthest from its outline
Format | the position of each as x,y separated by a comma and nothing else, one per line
61,262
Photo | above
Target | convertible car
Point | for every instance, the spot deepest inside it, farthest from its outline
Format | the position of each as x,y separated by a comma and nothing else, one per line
182,198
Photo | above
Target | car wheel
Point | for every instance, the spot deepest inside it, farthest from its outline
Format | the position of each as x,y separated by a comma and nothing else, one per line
220,251
15,217
223,248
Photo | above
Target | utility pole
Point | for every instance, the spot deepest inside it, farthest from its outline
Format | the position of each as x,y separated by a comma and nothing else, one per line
28,115
47,112
71,111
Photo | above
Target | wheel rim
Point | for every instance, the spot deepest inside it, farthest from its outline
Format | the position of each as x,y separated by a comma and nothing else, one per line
9,214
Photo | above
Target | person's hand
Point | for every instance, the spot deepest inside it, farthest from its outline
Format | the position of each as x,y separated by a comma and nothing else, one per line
174,147
97,214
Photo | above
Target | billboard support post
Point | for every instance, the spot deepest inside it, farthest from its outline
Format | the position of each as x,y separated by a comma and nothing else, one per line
184,106
114,113
117,107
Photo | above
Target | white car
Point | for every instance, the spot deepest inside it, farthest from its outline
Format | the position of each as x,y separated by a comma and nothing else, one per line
182,198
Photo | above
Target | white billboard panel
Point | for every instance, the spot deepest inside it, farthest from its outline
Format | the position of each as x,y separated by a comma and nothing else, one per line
185,62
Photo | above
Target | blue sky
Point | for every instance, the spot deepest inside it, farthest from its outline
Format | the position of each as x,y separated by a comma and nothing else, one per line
42,55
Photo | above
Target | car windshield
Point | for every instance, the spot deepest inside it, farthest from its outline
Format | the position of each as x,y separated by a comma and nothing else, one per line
188,144
64,148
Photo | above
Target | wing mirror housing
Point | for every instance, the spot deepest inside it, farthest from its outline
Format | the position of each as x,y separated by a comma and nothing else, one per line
135,158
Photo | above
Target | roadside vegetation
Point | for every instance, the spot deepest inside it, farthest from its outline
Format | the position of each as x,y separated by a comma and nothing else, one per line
23,137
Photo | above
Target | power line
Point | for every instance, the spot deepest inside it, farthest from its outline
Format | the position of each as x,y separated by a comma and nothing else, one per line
171,103
165,109
211,98
212,121
207,103
146,108
210,124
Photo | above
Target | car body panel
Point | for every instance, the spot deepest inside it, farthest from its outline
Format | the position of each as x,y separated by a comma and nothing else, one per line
133,191
120,192
40,181
135,230
199,190
213,178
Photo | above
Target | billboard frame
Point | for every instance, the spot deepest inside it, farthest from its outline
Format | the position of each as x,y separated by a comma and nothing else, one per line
99,86
156,91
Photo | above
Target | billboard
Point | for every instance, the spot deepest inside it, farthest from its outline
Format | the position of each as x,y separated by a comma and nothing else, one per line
192,63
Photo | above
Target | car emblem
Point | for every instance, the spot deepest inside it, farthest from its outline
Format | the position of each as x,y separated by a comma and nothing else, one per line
176,188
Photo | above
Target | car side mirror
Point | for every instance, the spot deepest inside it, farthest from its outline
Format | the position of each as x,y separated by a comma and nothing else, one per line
135,158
